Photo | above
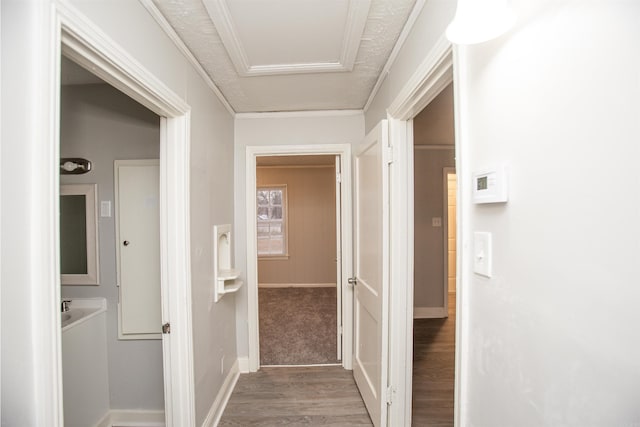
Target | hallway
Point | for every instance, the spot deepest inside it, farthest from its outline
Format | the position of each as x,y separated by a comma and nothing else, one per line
317,396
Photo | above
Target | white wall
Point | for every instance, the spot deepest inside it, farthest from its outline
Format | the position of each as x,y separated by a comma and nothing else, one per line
102,124
552,336
24,34
20,139
279,129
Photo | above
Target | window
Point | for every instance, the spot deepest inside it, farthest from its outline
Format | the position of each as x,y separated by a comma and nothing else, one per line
272,225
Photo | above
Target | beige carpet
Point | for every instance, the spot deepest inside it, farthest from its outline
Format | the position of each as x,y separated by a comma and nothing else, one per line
297,326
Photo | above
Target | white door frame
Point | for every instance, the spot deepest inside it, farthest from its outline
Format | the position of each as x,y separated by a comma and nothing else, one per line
79,39
344,151
438,69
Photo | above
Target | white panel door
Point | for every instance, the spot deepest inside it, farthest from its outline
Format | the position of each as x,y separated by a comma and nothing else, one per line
371,270
138,247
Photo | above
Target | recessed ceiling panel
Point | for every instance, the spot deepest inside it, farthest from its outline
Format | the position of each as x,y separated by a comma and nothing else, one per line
266,37
311,81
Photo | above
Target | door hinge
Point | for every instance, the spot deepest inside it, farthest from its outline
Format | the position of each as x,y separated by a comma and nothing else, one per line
389,154
338,177
166,328
340,330
390,393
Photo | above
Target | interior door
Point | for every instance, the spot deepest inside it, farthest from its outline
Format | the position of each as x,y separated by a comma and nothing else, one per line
338,172
371,270
138,250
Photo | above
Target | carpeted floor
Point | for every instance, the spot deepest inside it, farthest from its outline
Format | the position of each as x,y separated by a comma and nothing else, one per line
297,326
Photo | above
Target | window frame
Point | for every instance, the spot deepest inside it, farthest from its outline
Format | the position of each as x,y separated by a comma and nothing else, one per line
285,222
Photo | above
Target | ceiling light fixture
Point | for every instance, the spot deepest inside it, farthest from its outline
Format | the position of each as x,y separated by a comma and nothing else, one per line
477,21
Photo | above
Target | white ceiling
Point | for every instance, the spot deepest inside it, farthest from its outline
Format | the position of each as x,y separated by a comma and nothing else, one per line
290,55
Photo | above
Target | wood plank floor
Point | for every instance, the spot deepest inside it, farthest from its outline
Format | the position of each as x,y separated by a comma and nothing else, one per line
300,396
434,369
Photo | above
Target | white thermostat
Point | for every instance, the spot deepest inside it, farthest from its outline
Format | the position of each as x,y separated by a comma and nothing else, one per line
490,186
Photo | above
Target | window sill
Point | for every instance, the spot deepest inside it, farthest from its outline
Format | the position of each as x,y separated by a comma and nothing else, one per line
273,257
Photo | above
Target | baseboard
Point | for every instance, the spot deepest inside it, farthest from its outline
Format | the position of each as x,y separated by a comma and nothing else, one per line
217,408
243,365
132,418
296,285
429,312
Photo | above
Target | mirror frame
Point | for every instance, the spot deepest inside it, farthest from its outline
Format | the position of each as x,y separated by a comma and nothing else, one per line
91,207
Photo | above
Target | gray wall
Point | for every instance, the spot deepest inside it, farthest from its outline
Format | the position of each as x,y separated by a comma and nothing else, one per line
101,124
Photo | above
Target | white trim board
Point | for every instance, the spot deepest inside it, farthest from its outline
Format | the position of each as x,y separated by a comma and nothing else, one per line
222,398
132,418
296,114
296,285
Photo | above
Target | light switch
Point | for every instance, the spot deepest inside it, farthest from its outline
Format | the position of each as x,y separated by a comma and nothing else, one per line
436,222
482,253
105,208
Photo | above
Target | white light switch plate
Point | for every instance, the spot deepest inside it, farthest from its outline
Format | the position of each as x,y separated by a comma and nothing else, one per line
105,208
482,253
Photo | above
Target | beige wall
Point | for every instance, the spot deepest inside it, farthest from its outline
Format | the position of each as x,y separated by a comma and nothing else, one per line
311,226
433,129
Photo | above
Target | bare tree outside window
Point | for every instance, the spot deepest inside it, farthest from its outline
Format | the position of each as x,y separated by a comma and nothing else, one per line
271,217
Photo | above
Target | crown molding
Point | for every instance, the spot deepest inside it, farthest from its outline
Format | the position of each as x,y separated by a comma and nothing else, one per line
415,12
182,47
298,114
356,20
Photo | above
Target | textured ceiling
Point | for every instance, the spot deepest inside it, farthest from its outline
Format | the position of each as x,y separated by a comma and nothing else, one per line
289,92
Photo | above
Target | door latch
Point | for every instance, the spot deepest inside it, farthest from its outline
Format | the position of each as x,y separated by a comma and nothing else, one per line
166,328
352,281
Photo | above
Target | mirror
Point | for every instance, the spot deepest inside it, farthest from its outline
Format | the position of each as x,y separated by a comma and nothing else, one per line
78,235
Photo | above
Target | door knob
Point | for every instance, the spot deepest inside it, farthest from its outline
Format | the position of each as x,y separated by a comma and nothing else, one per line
126,243
352,281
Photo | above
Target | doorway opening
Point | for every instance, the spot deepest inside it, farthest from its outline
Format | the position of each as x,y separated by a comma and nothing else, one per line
101,124
435,262
297,206
86,46
297,220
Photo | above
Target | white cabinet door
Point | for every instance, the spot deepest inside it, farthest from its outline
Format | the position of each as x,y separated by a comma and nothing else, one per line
138,248
371,268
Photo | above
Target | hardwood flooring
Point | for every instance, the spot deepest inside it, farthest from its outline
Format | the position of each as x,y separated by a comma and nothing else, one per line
434,369
311,395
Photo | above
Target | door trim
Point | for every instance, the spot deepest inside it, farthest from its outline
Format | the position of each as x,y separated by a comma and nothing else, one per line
79,39
437,70
252,152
